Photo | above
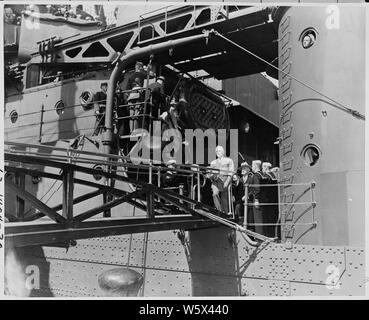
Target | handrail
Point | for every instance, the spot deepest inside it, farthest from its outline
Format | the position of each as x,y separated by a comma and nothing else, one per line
114,156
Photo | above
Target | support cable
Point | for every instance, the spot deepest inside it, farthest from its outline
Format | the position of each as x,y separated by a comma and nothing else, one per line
338,105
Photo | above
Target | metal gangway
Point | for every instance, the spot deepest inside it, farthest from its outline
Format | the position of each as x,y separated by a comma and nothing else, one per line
63,225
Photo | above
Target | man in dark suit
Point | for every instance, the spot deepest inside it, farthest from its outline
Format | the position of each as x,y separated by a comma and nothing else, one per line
134,99
247,179
100,105
238,192
258,196
157,96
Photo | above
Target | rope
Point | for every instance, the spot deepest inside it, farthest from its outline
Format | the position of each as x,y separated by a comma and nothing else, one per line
54,109
338,105
51,134
237,227
49,122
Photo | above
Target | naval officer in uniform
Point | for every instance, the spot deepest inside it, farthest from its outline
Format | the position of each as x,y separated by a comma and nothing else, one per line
257,195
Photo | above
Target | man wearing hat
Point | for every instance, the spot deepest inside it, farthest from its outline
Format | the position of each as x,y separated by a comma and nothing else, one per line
238,192
100,105
247,179
171,119
258,196
157,95
134,100
169,176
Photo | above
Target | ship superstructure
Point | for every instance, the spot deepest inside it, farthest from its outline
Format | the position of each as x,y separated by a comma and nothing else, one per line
79,204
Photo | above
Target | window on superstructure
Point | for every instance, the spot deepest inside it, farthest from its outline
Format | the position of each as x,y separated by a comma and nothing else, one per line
97,177
33,76
13,116
59,107
311,154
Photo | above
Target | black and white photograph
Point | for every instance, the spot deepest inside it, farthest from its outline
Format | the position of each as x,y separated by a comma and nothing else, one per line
184,149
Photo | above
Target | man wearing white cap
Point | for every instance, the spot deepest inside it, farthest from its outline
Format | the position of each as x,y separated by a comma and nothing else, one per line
169,176
221,180
247,179
266,166
256,191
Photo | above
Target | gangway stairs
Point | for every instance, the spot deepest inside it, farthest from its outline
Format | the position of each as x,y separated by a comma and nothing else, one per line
59,224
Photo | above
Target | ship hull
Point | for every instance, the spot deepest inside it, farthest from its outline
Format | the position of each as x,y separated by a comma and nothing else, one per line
208,262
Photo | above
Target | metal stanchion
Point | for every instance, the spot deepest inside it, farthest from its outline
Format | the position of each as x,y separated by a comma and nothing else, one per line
245,207
181,187
198,185
150,172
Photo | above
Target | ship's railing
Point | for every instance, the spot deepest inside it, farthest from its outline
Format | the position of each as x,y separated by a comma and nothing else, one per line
195,174
152,168
68,224
280,207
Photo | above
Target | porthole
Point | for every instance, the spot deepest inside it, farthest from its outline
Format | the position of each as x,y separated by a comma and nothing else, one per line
13,116
59,107
311,154
86,99
36,179
9,175
97,177
308,38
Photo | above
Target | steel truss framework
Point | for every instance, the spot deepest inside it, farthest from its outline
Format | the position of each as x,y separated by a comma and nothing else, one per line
104,47
25,229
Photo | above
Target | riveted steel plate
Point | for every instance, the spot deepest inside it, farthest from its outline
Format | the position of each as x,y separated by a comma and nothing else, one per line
166,252
354,279
262,287
79,278
226,265
278,288
254,287
120,250
161,283
347,282
301,263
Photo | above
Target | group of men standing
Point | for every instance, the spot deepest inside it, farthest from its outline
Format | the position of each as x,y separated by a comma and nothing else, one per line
260,184
257,182
136,104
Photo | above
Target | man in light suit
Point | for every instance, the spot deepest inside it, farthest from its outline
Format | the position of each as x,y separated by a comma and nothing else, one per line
221,180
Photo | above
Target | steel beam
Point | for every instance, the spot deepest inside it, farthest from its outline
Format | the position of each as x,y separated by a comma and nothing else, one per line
25,234
68,188
111,204
80,199
20,179
35,202
30,171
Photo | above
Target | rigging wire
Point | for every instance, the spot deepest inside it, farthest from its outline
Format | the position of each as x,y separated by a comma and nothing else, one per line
338,105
